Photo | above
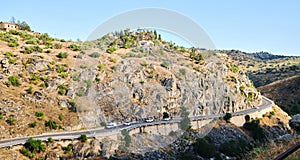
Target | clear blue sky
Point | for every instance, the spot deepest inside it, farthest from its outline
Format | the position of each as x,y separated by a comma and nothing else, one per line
256,25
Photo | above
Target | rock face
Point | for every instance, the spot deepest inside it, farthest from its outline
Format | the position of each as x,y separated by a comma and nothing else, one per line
295,122
138,88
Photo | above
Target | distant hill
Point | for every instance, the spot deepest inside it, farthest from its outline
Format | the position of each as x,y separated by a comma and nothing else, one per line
285,93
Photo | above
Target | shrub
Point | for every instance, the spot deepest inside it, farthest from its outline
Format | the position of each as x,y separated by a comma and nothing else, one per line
34,77
242,88
94,55
11,121
166,115
32,146
62,89
204,147
127,137
14,80
32,41
67,149
51,124
144,64
182,71
62,55
247,118
57,46
165,64
32,125
101,67
272,113
9,54
75,77
50,139
233,79
39,114
83,138
30,90
11,61
60,117
63,75
185,123
74,47
111,49
227,117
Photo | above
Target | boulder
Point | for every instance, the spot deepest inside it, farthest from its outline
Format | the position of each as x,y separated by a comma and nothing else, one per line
295,122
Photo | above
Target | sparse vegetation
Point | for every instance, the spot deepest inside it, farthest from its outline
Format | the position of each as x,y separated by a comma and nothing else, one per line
83,138
62,55
227,117
51,124
14,80
185,123
95,55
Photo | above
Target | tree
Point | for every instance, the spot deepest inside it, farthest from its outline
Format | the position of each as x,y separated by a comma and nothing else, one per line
127,137
13,20
247,118
227,117
205,148
31,147
159,37
166,115
185,122
24,26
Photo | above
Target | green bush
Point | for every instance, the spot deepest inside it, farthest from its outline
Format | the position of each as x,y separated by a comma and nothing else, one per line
31,147
127,137
11,121
166,115
62,55
32,41
242,88
101,67
165,64
60,117
182,71
39,114
185,123
32,125
83,138
34,77
63,75
62,89
94,55
205,148
30,90
9,54
67,149
74,47
227,117
51,124
111,49
247,118
14,80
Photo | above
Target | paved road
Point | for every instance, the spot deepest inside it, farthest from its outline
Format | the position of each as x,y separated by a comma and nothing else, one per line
103,132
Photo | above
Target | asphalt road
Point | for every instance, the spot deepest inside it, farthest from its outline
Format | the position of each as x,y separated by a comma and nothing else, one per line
102,132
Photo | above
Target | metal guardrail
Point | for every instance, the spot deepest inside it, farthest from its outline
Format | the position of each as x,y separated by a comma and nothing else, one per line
288,152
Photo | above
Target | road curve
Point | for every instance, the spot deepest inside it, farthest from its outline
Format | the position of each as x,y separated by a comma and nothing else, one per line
266,103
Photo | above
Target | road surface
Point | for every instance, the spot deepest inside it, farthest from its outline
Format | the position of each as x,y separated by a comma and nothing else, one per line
102,132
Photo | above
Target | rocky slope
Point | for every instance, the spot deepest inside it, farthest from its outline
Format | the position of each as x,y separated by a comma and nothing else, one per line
48,84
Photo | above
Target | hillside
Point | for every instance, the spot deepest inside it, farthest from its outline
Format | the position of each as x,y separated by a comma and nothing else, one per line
285,93
276,76
53,85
